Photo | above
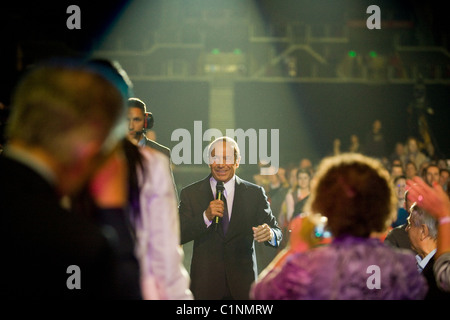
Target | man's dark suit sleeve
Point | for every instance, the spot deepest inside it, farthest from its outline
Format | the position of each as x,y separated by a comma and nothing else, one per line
191,223
266,216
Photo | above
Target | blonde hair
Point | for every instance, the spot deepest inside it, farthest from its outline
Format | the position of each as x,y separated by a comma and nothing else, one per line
56,103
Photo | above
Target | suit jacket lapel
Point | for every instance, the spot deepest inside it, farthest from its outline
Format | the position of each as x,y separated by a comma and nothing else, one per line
206,189
239,196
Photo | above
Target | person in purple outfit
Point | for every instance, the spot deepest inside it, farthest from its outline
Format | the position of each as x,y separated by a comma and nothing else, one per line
354,194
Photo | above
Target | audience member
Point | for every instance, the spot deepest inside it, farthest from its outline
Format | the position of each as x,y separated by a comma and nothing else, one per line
62,134
410,170
398,236
276,191
223,260
336,147
432,174
293,178
396,162
283,220
423,232
396,171
399,189
375,145
355,195
413,153
430,152
444,177
296,198
437,203
355,146
398,153
423,170
442,164
306,164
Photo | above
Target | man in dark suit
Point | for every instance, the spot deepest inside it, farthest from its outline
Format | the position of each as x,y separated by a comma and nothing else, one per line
61,138
223,262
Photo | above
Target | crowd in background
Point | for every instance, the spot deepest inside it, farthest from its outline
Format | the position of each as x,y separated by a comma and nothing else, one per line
78,194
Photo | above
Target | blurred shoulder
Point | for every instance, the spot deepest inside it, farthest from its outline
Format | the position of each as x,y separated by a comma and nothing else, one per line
154,157
157,146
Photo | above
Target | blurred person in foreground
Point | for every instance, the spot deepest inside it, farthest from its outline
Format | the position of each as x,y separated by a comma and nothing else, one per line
63,136
436,202
154,219
152,209
154,214
355,195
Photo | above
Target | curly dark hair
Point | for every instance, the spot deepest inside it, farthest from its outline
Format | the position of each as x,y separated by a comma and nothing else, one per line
353,191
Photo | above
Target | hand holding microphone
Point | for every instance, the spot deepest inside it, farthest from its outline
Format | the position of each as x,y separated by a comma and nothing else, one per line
216,207
219,196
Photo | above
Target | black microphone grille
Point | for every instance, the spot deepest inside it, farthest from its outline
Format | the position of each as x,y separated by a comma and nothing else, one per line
220,185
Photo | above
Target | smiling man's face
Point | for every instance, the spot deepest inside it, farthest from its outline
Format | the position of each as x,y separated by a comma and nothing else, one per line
222,162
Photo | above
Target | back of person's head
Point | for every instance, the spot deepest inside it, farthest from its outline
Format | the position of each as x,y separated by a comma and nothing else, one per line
59,104
115,71
354,192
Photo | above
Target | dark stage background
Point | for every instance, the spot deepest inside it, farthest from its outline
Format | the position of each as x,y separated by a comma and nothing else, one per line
172,49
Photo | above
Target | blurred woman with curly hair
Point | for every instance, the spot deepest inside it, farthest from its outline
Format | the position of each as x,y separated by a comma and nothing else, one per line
353,194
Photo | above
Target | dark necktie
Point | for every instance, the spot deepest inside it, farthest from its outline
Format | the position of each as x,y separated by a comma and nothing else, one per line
225,219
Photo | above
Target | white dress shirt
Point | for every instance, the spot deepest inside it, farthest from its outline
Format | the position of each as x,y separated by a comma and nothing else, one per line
421,263
230,186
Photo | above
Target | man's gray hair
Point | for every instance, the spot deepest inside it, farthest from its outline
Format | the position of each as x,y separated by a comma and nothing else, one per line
420,216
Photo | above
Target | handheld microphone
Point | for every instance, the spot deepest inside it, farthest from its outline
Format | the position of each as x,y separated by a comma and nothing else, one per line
219,192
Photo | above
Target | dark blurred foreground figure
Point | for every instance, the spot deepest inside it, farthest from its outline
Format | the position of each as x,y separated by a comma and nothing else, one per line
151,206
62,135
355,196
